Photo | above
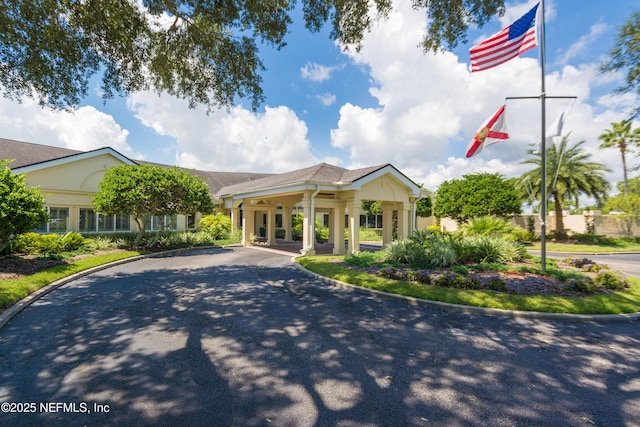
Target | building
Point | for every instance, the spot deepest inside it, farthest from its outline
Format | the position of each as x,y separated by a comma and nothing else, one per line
255,201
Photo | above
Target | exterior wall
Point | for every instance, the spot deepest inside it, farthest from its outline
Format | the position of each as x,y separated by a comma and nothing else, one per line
384,188
605,225
72,186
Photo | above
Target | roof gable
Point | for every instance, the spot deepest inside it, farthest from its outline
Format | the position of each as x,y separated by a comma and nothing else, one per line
74,158
27,153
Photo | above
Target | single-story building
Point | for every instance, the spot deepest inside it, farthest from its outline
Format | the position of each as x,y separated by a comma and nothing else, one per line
255,201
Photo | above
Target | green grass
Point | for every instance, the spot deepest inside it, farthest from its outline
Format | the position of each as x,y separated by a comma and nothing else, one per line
612,303
617,246
12,291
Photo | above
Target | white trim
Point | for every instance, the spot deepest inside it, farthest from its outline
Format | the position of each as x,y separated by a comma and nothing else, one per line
74,158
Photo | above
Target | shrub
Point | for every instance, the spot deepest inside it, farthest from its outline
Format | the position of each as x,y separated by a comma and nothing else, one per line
363,259
613,280
586,264
497,284
457,281
217,225
420,276
582,284
439,254
392,273
34,243
487,226
405,252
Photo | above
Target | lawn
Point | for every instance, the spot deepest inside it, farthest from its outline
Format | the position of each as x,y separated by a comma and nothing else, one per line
13,290
618,245
627,301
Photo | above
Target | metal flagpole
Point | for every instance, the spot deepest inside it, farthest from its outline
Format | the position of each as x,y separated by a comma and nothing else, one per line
543,159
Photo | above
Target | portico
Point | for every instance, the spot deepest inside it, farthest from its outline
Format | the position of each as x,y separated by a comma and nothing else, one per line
324,188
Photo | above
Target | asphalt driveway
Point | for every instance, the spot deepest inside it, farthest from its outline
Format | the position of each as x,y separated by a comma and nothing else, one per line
240,337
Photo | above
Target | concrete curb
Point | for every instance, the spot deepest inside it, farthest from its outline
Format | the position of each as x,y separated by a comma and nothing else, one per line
467,309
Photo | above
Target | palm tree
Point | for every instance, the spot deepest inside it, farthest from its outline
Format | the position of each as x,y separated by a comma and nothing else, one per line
570,173
622,137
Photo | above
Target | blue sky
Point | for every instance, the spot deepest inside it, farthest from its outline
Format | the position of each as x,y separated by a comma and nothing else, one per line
388,103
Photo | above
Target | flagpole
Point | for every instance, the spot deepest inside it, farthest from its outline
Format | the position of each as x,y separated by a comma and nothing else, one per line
543,160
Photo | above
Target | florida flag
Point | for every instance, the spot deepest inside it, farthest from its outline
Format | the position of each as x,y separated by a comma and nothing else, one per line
506,44
492,131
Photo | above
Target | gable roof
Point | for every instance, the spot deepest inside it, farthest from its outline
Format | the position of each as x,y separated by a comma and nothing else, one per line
27,153
29,156
322,173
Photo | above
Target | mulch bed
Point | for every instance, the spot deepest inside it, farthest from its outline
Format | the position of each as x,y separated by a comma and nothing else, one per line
516,282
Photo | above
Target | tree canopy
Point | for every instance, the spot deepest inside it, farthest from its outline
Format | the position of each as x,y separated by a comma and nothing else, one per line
204,51
21,208
145,191
622,137
625,56
570,173
477,195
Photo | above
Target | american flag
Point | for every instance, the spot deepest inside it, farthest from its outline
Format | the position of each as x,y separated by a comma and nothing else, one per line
506,44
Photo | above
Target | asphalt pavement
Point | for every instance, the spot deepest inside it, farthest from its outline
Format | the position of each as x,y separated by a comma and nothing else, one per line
241,337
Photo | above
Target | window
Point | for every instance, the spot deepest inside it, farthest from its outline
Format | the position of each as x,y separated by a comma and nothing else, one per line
191,222
90,222
158,223
58,220
371,221
123,222
87,220
105,222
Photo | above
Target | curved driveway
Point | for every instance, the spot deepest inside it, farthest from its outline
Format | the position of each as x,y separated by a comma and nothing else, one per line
241,337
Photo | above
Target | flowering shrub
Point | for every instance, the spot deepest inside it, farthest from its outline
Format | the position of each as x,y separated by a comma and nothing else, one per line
580,284
392,273
420,276
453,280
586,264
611,280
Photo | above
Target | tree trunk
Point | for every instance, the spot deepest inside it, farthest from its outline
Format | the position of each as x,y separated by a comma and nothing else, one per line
560,234
623,149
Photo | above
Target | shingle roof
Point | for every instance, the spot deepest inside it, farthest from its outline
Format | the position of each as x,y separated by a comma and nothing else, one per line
27,153
219,183
322,173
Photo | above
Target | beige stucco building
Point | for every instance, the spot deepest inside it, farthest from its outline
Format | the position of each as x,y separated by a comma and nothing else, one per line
255,201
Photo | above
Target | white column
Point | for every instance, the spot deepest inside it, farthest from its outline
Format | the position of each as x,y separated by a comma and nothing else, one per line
271,226
403,221
338,229
354,207
387,223
286,222
248,224
308,239
235,219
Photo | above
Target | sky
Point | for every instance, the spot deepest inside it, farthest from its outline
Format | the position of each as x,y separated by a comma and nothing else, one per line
388,103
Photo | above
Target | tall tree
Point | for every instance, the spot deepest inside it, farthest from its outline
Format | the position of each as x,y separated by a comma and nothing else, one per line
204,51
625,56
622,137
21,208
570,173
145,191
476,195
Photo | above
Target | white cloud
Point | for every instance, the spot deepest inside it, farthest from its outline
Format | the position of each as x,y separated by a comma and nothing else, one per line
317,72
238,140
327,99
83,129
431,105
579,47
